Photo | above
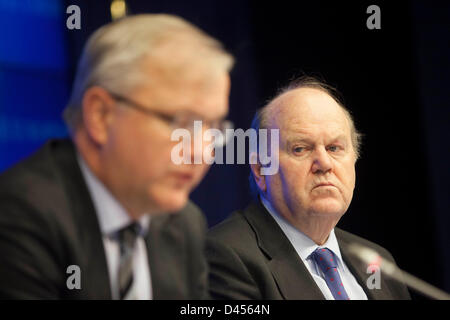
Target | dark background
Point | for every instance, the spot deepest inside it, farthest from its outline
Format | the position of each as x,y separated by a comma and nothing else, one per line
395,81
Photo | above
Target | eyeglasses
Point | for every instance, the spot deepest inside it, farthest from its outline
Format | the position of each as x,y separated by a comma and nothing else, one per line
180,120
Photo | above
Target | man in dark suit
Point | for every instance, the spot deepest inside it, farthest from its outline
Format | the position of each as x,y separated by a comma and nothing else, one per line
106,214
286,245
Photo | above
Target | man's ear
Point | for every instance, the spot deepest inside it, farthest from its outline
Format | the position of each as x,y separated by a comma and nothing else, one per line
255,166
98,107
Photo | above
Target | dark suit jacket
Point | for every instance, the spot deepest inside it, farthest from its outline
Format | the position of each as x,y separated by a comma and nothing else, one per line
251,258
48,222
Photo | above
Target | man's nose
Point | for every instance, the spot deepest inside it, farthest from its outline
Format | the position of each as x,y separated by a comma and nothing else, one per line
322,161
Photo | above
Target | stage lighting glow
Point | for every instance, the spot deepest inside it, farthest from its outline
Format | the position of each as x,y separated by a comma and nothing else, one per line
118,9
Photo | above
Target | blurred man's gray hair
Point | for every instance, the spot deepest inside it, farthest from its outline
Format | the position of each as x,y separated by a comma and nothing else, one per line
114,56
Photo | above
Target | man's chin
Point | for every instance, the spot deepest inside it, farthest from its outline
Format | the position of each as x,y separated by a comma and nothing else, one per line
331,208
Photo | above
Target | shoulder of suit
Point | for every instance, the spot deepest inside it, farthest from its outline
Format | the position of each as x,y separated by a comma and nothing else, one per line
189,219
234,230
39,167
33,199
345,237
36,181
191,212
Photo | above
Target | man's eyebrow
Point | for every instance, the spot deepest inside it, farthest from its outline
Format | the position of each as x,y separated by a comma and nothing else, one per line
342,137
297,139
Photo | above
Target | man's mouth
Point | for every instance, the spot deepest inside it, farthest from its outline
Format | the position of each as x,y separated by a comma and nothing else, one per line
324,184
183,177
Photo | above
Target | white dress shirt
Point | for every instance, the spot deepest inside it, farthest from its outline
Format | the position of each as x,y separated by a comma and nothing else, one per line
112,217
304,246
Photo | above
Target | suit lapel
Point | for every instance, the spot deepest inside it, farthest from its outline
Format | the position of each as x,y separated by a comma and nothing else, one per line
165,248
359,269
293,279
291,275
88,239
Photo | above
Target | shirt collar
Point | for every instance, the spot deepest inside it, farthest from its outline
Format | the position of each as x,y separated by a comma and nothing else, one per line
111,214
301,242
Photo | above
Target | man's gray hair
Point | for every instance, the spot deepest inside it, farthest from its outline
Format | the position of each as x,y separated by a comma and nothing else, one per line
261,120
114,56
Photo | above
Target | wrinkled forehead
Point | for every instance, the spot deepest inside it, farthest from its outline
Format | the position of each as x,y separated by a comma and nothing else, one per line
308,111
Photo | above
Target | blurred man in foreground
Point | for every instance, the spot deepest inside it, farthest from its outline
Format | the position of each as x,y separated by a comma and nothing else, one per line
89,218
285,245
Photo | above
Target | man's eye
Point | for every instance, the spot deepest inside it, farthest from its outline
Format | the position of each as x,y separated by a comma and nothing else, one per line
298,149
334,148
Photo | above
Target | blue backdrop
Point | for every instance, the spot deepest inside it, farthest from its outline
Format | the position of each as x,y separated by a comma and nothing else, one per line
33,76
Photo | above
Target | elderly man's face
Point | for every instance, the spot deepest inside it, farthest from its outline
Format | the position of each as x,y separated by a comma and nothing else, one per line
317,160
139,146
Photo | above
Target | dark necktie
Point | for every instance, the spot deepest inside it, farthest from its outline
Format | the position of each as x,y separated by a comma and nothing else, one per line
326,261
127,241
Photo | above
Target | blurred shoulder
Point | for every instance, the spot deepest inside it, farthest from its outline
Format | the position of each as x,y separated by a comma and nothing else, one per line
38,184
38,172
193,216
190,220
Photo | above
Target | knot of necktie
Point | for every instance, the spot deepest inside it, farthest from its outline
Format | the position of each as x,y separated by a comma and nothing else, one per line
128,235
325,259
